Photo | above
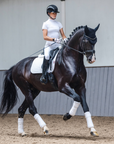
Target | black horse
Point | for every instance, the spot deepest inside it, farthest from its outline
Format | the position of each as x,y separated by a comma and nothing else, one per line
70,77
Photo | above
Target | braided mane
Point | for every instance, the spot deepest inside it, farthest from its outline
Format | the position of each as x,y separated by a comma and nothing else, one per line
70,36
73,33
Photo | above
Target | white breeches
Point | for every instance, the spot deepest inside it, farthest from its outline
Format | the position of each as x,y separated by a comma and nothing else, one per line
47,53
48,49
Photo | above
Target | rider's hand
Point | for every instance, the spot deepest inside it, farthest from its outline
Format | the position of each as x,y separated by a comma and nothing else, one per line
58,40
65,40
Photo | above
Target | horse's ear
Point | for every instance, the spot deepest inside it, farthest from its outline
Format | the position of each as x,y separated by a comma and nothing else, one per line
96,28
86,29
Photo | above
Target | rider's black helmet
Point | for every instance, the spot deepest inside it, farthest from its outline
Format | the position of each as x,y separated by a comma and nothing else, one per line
52,8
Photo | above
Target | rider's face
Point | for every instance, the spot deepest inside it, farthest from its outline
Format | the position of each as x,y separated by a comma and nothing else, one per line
53,15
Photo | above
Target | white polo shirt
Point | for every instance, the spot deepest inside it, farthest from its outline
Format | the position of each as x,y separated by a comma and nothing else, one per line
53,27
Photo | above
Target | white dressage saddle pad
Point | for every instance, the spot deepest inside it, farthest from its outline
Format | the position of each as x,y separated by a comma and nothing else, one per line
37,64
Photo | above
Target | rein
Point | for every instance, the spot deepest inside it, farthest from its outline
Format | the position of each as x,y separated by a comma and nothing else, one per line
84,52
73,49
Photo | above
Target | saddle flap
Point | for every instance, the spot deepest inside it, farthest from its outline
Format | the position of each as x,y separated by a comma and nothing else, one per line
36,67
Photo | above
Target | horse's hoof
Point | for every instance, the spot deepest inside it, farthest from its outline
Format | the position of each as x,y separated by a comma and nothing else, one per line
94,133
46,130
22,134
66,116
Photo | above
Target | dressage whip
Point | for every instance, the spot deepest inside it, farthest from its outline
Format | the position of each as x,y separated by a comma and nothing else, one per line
41,49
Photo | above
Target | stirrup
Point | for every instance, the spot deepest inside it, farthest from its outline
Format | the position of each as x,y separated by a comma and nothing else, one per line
43,80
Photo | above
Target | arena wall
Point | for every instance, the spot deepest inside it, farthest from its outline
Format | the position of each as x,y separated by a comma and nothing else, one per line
99,95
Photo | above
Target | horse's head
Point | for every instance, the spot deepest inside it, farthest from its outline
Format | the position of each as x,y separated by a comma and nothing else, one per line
88,43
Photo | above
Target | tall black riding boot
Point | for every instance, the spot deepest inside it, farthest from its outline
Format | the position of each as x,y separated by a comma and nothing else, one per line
44,78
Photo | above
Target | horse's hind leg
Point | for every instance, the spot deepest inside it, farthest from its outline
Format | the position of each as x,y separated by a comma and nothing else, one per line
21,112
22,109
29,103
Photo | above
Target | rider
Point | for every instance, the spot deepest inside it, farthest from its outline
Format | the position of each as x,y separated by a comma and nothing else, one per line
51,30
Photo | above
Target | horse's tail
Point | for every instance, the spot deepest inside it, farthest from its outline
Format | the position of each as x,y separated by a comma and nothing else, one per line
9,96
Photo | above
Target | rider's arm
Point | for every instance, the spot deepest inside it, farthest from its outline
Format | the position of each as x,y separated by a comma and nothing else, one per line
62,33
45,35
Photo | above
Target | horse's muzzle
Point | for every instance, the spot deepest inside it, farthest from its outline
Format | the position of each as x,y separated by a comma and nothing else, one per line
91,59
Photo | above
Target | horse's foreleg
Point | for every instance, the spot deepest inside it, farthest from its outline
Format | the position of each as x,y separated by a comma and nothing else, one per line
72,111
71,92
74,108
90,124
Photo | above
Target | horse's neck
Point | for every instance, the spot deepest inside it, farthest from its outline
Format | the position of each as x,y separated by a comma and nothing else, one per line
75,56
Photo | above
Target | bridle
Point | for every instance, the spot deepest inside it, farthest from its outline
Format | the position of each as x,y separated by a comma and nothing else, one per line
84,52
85,37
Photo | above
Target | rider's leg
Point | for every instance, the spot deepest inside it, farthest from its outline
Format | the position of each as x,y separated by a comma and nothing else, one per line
44,78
